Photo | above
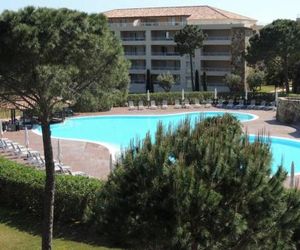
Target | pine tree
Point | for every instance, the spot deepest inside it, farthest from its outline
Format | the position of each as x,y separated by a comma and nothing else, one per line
199,186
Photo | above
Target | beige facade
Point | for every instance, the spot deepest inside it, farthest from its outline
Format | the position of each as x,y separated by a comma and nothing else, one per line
147,36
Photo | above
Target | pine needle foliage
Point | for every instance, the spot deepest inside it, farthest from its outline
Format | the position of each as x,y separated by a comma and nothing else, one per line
198,186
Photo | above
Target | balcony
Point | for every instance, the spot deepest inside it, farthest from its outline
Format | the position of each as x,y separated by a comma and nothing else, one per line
165,68
214,56
139,24
133,38
162,38
167,53
218,40
216,71
138,82
216,53
134,53
138,67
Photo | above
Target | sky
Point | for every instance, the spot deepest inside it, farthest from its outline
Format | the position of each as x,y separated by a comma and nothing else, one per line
265,11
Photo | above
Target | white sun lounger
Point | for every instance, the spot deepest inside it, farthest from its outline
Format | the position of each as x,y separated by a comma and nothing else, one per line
141,105
187,104
153,105
262,106
252,105
208,104
6,145
177,104
164,104
230,104
197,103
220,104
131,105
240,105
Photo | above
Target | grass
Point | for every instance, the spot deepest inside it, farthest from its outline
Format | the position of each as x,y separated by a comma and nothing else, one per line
267,88
21,232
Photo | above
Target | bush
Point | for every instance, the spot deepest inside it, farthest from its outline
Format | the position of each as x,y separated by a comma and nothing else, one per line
234,82
22,188
255,79
198,186
166,81
202,96
170,96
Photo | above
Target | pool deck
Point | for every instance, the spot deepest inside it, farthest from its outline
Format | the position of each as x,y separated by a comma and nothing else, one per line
94,159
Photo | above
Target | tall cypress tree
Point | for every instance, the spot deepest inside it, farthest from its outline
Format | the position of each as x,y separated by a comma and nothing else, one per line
197,82
204,81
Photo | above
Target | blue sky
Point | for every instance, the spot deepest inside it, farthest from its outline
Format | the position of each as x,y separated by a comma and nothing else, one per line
264,11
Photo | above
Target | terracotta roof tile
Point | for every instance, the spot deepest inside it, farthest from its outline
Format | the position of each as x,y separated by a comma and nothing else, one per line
191,12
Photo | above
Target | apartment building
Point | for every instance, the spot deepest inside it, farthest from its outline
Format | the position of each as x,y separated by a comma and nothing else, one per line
147,36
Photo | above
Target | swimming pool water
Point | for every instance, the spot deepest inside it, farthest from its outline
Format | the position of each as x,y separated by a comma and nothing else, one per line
120,129
117,131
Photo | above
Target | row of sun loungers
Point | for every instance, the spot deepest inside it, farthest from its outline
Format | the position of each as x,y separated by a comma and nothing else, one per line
240,105
164,105
33,158
196,104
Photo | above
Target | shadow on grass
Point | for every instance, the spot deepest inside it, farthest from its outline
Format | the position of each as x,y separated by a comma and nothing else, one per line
33,225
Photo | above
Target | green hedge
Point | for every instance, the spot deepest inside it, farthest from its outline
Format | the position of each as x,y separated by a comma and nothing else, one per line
202,96
22,187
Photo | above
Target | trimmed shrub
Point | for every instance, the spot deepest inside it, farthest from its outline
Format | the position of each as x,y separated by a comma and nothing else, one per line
170,96
22,187
202,96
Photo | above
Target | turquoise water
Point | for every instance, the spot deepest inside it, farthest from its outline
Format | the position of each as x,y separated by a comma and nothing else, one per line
119,130
284,151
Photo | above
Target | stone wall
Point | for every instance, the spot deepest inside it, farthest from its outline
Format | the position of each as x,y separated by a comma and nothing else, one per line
288,110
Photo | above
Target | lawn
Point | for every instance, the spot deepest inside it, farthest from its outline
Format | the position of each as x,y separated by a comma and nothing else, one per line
17,232
267,88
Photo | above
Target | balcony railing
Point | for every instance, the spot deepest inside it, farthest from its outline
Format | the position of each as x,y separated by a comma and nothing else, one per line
165,68
133,38
138,67
135,53
217,69
163,23
168,53
214,38
216,53
138,81
137,24
162,38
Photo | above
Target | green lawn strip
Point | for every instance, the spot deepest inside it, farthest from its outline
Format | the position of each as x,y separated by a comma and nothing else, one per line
267,88
21,232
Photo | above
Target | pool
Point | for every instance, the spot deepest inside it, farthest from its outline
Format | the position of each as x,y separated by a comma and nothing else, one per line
284,151
116,131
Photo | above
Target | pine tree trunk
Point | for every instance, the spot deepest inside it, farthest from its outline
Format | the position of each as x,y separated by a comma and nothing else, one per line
192,73
286,75
49,187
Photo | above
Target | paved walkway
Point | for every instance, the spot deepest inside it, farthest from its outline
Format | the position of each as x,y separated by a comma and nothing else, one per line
94,159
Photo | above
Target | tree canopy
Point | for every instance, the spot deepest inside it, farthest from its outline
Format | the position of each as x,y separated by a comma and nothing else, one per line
234,82
255,79
199,186
188,40
57,53
49,57
276,42
166,81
